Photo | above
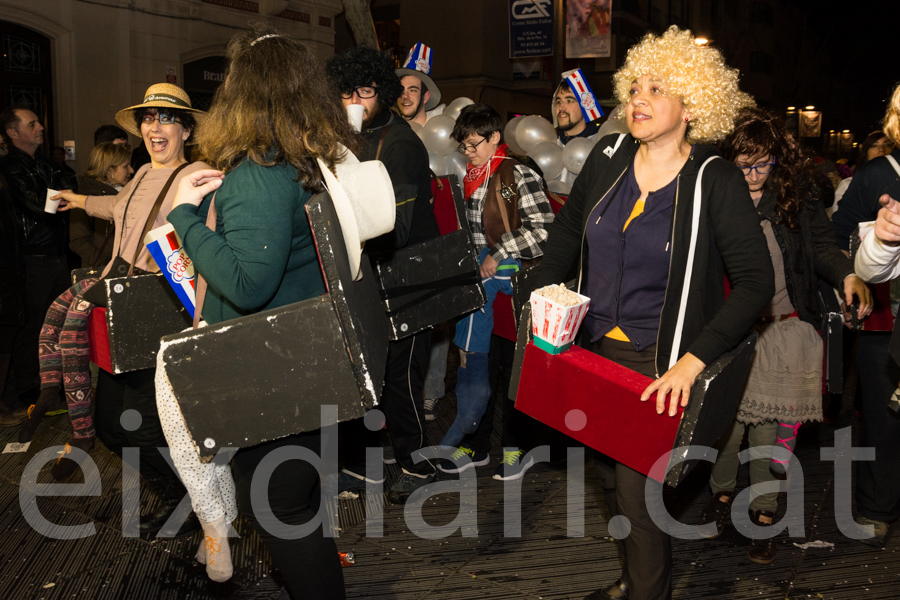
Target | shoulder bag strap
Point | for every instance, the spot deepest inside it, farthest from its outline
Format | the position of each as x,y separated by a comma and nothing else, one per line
689,270
381,141
152,217
893,162
201,282
127,205
503,210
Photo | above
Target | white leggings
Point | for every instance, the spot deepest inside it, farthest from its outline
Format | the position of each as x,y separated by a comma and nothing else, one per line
210,485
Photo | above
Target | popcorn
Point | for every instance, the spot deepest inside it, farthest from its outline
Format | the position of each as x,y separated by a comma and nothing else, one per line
556,315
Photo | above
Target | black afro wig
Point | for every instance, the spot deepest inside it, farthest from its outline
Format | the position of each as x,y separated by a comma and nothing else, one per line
362,66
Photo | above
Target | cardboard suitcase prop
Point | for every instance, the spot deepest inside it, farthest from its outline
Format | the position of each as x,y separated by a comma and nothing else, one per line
265,376
437,280
597,402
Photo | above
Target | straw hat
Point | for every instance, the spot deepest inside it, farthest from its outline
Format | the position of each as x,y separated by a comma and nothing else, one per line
363,198
158,95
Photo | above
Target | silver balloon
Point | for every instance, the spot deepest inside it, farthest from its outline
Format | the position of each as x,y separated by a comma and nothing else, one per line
438,164
436,135
457,105
456,165
416,128
509,135
560,187
549,157
534,130
575,153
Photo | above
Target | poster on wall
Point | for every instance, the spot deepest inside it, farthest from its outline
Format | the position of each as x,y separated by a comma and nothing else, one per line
531,28
810,123
588,28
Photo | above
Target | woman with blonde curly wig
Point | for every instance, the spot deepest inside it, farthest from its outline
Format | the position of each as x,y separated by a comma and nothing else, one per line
633,224
873,196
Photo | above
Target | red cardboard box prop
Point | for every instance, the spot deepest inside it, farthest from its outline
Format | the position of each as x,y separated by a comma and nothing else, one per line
597,402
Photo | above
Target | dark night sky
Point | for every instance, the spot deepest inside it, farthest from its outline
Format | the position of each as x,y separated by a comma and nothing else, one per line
859,64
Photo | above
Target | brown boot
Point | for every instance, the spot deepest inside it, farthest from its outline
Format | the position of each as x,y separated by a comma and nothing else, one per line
716,511
762,552
67,465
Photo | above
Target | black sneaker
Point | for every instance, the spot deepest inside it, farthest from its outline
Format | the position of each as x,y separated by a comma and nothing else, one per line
406,485
716,511
464,458
352,481
512,466
430,408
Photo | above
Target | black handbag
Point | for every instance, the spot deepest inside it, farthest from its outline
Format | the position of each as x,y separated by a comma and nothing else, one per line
97,295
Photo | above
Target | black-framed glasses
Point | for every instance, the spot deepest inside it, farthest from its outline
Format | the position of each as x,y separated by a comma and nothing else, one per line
365,92
463,148
165,118
763,169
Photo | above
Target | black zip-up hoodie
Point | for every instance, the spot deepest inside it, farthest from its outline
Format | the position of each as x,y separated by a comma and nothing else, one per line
728,238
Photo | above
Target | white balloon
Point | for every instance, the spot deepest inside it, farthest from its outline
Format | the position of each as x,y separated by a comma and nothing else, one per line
576,152
560,187
548,156
533,130
436,135
509,135
438,164
416,128
456,165
457,105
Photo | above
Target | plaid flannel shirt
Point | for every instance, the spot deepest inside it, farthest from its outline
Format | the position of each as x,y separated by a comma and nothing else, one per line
534,208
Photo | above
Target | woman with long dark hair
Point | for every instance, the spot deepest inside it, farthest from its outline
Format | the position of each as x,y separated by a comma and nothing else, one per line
877,144
268,123
784,389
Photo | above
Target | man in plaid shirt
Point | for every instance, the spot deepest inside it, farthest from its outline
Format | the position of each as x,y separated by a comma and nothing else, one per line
508,213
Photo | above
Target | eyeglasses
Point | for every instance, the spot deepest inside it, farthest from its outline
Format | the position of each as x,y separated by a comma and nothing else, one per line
464,148
364,92
763,169
164,118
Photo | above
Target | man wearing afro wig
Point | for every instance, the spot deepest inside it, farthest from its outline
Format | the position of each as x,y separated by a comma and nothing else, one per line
367,77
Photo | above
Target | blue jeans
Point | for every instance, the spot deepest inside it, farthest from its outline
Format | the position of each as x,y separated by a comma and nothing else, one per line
473,391
473,332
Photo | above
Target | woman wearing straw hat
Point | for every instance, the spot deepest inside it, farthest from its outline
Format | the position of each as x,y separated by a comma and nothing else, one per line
166,122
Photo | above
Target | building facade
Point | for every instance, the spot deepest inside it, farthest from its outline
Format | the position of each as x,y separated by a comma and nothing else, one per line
78,62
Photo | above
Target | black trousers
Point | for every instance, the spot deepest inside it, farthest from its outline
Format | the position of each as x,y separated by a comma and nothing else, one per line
647,551
133,391
878,481
46,277
402,401
310,565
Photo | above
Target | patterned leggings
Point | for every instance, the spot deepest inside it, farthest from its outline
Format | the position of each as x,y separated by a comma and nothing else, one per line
64,354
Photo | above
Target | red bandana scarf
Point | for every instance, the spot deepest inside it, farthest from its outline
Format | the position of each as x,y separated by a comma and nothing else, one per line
475,176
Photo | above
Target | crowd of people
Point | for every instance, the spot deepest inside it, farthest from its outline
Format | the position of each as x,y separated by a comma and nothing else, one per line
696,219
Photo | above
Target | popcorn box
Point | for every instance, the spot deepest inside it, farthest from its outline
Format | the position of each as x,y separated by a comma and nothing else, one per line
554,326
165,247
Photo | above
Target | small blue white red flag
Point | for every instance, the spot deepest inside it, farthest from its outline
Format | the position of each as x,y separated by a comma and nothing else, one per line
586,99
166,249
419,59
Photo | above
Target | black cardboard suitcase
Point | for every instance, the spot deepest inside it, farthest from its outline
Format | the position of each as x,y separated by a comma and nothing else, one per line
265,376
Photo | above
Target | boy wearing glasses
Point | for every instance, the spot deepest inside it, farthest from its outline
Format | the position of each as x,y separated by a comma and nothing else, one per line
508,213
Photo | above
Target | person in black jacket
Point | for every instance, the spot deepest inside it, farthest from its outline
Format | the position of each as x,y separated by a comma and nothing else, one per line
632,223
42,236
12,314
365,76
878,481
784,389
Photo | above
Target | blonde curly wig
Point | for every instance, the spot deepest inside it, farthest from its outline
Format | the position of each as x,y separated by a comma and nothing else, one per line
697,75
892,117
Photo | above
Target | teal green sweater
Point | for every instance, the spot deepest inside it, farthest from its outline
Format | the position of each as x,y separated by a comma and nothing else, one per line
262,253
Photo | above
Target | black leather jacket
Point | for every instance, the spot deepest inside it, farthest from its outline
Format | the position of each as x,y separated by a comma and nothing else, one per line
12,275
28,179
